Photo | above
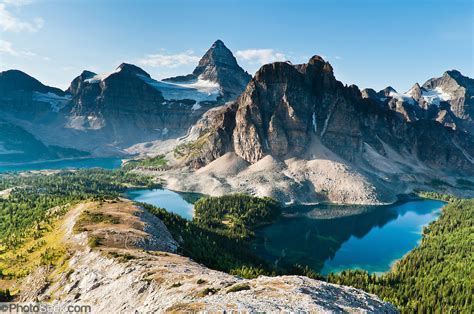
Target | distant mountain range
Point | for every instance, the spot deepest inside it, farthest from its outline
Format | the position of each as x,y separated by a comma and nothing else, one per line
103,114
294,126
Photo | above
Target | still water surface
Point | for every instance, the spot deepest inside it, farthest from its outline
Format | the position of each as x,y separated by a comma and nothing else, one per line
371,241
106,163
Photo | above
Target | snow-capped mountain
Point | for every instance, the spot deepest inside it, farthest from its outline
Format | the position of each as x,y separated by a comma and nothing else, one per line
448,99
219,66
109,112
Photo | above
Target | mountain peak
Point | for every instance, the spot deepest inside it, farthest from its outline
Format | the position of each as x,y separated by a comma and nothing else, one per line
216,56
127,69
387,90
453,73
415,91
13,80
316,59
219,65
218,44
87,74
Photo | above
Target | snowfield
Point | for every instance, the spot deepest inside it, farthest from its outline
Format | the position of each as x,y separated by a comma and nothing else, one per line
57,102
402,97
435,96
100,77
199,90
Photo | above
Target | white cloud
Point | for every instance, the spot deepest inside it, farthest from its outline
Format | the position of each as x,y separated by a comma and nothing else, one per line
17,3
6,47
262,56
8,22
170,60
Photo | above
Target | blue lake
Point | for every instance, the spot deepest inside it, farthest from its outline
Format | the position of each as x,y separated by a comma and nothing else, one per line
371,241
169,200
107,163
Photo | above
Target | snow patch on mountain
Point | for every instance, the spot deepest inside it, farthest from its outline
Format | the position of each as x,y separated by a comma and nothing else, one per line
57,102
100,77
199,89
435,96
402,97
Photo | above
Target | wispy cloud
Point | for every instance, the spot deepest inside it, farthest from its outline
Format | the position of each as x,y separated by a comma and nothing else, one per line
17,3
8,22
261,56
170,60
6,47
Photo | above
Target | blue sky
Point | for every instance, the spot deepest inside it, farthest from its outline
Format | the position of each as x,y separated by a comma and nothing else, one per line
369,43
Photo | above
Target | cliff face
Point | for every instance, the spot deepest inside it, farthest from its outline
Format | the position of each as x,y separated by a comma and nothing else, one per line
125,106
284,106
325,141
24,96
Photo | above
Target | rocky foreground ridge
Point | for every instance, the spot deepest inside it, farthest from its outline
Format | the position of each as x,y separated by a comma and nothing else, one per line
135,269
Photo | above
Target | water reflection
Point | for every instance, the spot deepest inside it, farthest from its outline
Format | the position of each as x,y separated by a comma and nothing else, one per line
370,240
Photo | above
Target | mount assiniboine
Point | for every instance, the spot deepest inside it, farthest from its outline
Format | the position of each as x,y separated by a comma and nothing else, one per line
292,132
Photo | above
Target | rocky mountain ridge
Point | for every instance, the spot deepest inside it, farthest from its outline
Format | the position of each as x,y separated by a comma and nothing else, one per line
448,99
105,114
300,116
295,126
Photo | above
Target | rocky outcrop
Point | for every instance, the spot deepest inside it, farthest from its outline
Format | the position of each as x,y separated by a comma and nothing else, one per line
284,106
220,66
459,90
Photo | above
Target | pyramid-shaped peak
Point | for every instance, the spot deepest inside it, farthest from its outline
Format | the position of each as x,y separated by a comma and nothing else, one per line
87,74
218,44
216,58
220,66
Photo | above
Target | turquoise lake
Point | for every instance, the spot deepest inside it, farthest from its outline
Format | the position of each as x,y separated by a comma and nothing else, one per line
106,163
371,241
169,200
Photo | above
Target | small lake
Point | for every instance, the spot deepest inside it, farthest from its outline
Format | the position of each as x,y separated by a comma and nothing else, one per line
169,200
370,241
107,163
